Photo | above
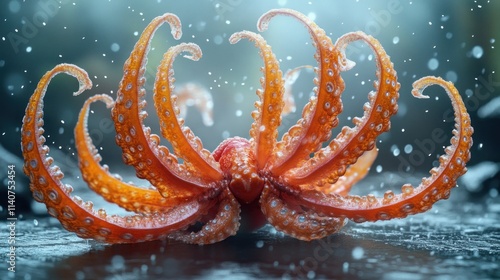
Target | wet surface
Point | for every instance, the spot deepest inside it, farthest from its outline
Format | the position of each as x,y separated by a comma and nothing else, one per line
457,239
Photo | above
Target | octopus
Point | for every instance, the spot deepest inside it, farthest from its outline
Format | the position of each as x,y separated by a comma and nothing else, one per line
299,183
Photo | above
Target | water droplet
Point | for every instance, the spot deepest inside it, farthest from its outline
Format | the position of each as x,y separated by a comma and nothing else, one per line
115,47
395,150
144,268
357,253
433,64
14,6
345,267
477,52
395,40
493,193
301,218
408,148
274,203
312,16
118,262
452,76
218,39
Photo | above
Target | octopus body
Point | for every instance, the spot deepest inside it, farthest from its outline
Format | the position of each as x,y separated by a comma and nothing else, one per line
299,184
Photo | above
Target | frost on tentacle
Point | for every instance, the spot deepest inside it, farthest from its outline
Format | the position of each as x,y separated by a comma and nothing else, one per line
111,187
223,224
294,220
319,115
411,200
74,214
140,148
329,163
198,161
267,117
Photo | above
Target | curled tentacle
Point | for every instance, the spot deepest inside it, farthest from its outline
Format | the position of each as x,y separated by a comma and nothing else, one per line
73,213
224,224
304,224
319,116
267,117
329,163
142,149
127,196
198,161
412,200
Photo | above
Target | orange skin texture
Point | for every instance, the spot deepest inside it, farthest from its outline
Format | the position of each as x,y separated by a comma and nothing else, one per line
271,180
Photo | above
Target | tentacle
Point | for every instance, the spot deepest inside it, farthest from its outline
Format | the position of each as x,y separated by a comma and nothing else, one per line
294,220
74,214
192,94
198,161
331,162
111,188
354,173
140,148
319,116
412,200
290,77
225,223
267,117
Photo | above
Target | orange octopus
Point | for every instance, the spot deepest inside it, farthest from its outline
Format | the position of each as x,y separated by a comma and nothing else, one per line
199,200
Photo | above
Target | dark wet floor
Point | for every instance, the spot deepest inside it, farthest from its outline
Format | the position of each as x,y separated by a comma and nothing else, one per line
457,239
